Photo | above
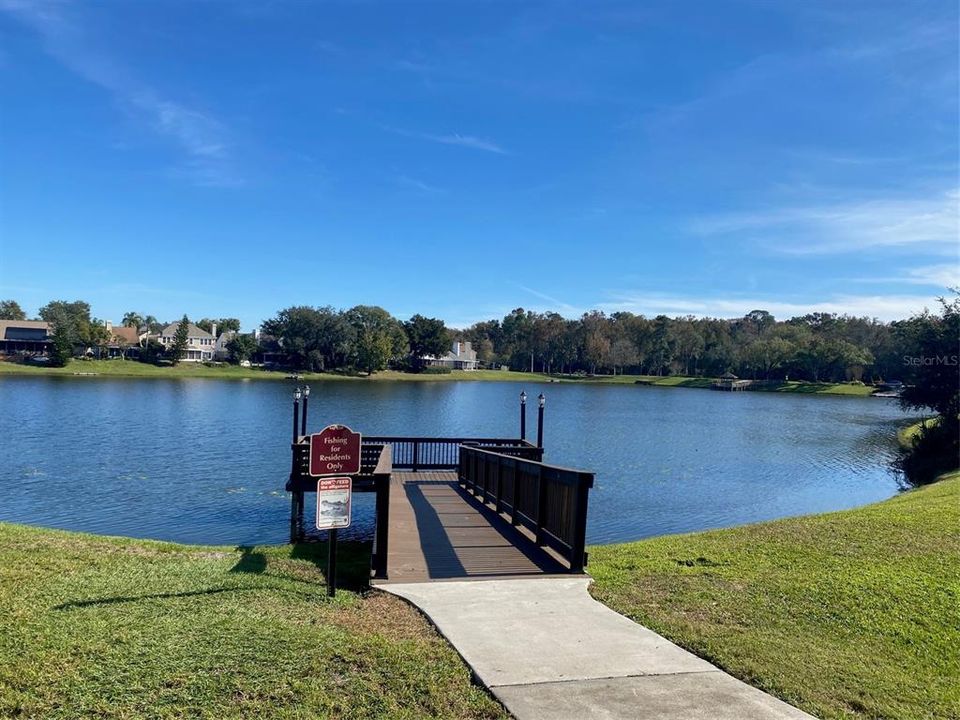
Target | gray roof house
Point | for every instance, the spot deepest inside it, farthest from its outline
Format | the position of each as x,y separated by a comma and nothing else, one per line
461,357
200,343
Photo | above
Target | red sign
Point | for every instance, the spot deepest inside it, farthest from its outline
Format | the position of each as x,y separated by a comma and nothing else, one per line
333,503
335,450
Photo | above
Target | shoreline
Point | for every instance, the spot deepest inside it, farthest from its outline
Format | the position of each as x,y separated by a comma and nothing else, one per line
131,369
748,599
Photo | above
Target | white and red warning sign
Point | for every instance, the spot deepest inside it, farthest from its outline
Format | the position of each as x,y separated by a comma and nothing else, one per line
334,498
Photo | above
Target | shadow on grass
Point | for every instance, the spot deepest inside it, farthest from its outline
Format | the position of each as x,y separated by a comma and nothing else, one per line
353,574
153,596
353,563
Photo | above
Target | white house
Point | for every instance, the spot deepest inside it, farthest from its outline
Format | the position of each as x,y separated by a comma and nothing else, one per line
220,351
461,357
200,343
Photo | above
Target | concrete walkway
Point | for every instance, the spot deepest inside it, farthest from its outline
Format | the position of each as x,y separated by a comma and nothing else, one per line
548,651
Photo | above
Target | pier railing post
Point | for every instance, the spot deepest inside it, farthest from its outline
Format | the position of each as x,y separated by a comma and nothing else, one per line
523,415
303,417
382,530
541,505
294,503
578,553
543,401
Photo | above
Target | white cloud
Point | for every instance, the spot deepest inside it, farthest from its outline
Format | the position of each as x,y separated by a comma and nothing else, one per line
939,276
413,183
927,224
467,141
882,307
200,137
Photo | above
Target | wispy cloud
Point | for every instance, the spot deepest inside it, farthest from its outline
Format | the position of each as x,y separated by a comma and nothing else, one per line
937,276
200,137
414,184
555,305
467,141
930,224
882,307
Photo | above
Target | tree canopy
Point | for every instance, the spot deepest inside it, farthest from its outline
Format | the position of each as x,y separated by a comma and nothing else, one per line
11,310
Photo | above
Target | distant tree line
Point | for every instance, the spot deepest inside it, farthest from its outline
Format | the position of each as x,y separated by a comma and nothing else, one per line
922,351
818,347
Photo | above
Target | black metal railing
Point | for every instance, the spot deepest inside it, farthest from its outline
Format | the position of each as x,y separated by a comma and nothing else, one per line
441,453
549,501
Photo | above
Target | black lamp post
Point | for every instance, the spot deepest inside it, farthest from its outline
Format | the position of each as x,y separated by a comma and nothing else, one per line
303,417
296,412
523,415
543,401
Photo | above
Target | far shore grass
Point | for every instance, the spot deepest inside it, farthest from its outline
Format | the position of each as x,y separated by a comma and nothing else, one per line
94,626
134,369
852,614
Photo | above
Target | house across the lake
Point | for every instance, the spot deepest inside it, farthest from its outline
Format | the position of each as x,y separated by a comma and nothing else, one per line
25,337
461,357
124,341
200,343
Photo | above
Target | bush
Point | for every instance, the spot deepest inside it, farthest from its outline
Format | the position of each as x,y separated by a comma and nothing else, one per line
436,371
936,450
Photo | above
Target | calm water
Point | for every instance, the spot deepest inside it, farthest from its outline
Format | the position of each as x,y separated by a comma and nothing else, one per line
205,461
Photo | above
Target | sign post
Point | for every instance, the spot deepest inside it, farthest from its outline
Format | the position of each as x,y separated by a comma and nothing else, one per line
334,453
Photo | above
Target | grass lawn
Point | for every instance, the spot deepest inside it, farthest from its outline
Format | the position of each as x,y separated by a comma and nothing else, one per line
112,628
906,435
134,369
852,614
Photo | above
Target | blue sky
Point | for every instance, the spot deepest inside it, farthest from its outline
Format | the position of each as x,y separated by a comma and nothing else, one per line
462,159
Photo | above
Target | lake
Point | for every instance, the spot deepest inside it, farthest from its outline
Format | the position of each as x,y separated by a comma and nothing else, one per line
205,461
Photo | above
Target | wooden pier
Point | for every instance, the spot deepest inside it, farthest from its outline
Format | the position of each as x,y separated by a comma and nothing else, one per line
460,508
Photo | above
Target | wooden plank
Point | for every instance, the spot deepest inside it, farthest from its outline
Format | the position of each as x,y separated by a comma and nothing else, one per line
439,532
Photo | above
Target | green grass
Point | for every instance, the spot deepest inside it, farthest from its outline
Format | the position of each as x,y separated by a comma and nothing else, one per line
906,436
134,369
852,614
112,628
793,386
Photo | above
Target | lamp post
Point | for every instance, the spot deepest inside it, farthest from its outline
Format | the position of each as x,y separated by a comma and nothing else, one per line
523,415
303,417
543,401
296,412
296,496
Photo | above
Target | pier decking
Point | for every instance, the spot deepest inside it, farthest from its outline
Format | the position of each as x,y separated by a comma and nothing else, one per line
438,531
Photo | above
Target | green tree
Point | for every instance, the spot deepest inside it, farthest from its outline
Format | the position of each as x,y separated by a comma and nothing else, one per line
932,372
379,338
241,347
151,352
63,337
11,310
223,325
311,338
132,319
426,337
178,351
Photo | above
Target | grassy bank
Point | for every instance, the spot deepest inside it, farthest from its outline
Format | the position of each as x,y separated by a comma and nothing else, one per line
906,436
847,614
133,369
113,628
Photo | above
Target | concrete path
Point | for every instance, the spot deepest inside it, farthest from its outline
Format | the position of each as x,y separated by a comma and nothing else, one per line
548,651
